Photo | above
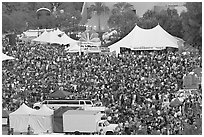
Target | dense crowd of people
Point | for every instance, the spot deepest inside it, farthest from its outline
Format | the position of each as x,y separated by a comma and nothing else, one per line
133,85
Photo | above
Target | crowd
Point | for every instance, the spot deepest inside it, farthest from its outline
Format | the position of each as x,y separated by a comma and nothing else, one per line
133,85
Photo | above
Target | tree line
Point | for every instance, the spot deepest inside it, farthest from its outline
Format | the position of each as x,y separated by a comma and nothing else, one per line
19,16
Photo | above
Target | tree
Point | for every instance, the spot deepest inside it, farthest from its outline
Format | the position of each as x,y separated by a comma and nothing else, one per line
5,9
7,24
65,13
123,17
168,19
78,5
10,7
192,24
122,7
147,23
32,6
43,5
149,14
148,20
46,22
99,8
19,20
22,15
68,19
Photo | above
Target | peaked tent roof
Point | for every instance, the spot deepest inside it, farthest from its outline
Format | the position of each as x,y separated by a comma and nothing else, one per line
59,94
23,110
74,48
66,39
44,111
42,36
41,120
175,102
56,36
20,119
58,31
146,39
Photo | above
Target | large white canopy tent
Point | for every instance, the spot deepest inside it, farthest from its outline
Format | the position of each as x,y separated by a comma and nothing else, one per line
20,119
41,120
56,36
42,37
146,39
74,48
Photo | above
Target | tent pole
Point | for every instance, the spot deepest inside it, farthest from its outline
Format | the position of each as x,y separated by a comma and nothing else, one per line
79,49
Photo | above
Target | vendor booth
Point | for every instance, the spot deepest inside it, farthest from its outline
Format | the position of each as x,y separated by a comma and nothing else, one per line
20,119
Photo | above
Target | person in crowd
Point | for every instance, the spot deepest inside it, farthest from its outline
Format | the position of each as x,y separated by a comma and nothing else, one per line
132,85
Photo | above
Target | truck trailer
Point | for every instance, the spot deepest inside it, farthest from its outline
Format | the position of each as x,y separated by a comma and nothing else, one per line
80,121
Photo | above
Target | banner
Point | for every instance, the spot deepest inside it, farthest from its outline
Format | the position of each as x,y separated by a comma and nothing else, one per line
90,49
148,48
94,49
105,49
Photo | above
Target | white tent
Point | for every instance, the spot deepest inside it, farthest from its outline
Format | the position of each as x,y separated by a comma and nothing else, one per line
19,119
74,48
146,39
31,33
58,31
42,37
56,36
35,33
62,39
41,120
6,57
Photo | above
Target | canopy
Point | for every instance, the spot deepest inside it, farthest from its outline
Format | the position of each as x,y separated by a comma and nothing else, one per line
56,36
42,37
198,71
58,31
30,33
6,57
19,119
60,37
176,102
191,81
146,39
41,120
60,94
58,119
74,48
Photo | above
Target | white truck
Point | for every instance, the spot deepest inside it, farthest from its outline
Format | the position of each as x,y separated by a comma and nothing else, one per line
56,103
86,122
